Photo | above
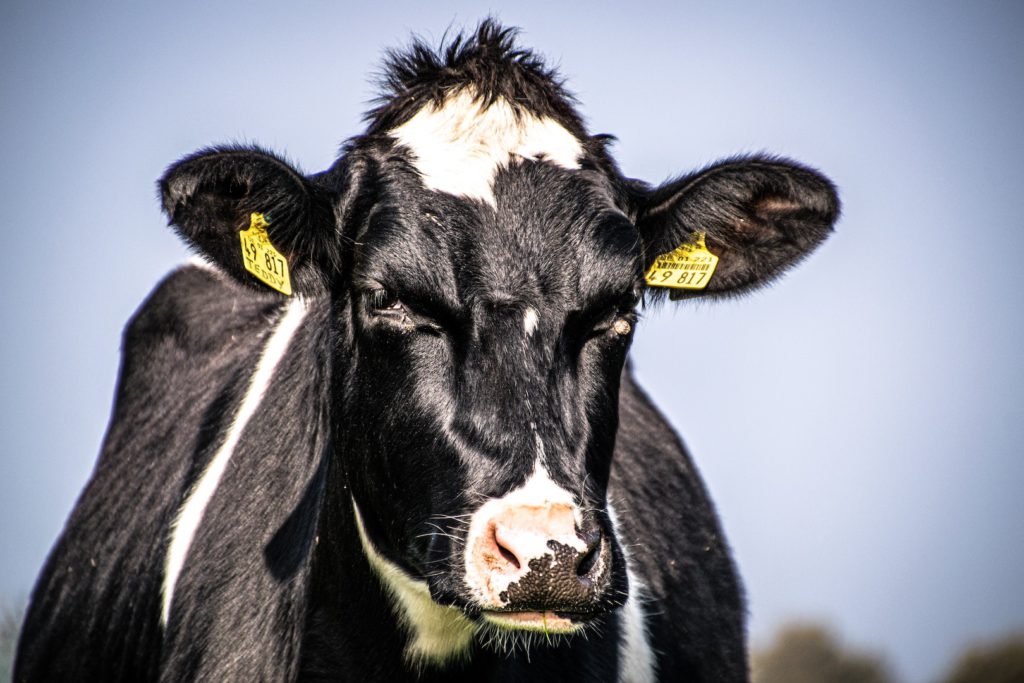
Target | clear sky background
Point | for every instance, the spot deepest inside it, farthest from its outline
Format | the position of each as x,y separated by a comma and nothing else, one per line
859,425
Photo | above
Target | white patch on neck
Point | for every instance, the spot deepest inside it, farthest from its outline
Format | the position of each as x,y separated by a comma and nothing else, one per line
636,658
201,263
530,321
438,634
460,146
190,514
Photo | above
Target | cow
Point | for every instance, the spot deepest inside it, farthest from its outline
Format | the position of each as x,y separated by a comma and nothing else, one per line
383,428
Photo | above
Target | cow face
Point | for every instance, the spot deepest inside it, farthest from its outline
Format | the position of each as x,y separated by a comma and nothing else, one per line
484,259
503,326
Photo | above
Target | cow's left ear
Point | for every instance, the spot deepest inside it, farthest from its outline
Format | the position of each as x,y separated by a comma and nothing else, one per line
757,215
213,195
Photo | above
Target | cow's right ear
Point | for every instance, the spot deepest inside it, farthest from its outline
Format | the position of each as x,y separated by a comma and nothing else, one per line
734,226
213,195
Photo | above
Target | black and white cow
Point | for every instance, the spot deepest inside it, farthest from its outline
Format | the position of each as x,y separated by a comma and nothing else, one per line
429,461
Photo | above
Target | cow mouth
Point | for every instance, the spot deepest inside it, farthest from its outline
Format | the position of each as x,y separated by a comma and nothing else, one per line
546,622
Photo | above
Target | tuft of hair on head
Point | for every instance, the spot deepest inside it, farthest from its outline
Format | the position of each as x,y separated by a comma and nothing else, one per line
486,62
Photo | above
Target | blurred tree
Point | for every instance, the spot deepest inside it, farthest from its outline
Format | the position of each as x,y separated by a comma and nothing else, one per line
10,623
810,653
1001,661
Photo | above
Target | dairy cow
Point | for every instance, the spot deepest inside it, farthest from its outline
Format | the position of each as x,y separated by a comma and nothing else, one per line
385,428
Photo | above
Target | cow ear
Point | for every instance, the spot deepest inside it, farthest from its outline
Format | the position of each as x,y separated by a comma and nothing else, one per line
757,215
213,195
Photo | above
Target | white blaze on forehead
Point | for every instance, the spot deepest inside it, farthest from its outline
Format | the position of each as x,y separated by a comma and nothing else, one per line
460,145
530,322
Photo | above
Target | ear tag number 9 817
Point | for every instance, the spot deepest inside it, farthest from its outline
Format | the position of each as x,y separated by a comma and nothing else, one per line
261,258
688,266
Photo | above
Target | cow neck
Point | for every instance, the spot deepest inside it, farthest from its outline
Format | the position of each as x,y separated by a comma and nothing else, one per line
353,618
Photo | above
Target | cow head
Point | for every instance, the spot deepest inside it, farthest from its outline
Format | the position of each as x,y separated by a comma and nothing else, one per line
483,259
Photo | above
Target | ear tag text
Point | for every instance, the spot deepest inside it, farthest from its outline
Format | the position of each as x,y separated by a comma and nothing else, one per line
260,257
688,266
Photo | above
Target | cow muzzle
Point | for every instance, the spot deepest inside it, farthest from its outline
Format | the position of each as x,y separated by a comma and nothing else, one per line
537,564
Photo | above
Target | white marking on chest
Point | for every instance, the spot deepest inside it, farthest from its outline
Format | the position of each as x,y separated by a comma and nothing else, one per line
530,321
190,514
636,658
460,146
437,634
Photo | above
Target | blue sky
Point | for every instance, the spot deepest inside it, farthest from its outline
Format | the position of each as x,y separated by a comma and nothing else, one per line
859,425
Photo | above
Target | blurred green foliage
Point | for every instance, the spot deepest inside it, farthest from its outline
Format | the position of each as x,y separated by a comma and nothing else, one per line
11,617
998,662
810,653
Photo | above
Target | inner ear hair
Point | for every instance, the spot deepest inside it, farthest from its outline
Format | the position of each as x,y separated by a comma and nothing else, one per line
760,215
773,204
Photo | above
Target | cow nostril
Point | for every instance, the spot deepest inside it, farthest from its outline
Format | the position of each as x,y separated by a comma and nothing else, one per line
507,554
588,560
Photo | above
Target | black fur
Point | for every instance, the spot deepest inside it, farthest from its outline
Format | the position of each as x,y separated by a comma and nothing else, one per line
489,60
208,197
411,390
761,215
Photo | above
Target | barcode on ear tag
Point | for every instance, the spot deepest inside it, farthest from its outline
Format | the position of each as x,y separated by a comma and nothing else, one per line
260,257
688,266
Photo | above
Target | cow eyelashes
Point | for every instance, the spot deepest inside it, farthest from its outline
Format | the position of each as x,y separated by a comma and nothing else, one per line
383,301
619,318
621,323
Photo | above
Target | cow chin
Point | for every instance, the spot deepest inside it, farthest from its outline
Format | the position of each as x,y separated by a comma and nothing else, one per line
504,632
541,622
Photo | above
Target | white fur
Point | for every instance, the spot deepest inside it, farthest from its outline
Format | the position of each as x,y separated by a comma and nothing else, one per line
460,146
530,321
200,262
437,633
636,658
190,514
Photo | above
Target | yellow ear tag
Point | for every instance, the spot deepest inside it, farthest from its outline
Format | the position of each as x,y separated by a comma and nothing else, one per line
688,266
261,259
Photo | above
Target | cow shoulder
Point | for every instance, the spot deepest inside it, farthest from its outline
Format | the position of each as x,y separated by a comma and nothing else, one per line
94,613
680,564
243,531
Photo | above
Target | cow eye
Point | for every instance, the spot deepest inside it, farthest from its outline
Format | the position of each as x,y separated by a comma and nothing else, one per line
621,322
383,304
383,301
623,309
618,316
